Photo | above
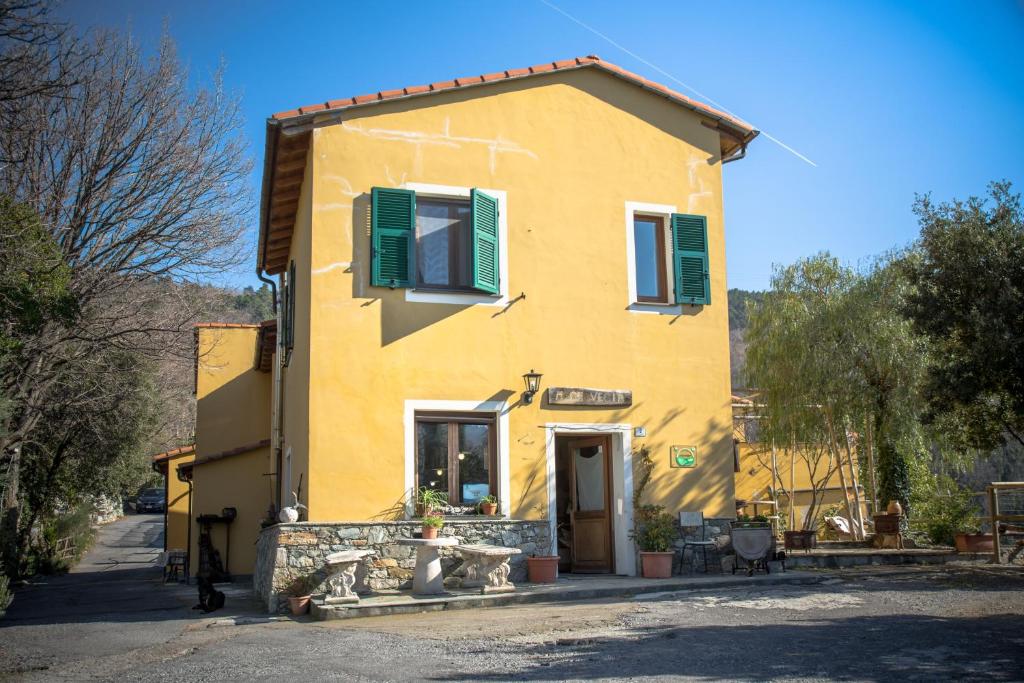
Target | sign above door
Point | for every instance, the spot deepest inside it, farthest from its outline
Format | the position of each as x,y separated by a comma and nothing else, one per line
579,396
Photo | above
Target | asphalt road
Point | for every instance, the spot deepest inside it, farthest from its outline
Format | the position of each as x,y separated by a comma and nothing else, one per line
112,620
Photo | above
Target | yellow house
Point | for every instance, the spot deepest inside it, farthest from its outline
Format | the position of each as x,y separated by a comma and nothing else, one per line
177,494
508,285
766,476
232,464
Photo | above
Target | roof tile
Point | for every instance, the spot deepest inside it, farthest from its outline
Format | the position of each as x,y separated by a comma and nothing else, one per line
588,60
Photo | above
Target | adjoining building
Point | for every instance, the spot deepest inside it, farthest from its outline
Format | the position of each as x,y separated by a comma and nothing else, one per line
174,466
796,487
511,284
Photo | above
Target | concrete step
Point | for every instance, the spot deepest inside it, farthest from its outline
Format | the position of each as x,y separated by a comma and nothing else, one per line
838,558
565,589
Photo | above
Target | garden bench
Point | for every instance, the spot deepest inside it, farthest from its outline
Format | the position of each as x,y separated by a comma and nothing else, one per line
487,567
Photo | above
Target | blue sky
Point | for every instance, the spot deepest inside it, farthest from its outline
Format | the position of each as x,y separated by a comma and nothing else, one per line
887,99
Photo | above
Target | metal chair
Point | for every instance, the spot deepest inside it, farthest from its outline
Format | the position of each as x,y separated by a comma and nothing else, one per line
175,567
693,520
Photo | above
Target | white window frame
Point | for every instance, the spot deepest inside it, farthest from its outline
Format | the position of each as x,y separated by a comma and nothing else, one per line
432,191
664,211
498,409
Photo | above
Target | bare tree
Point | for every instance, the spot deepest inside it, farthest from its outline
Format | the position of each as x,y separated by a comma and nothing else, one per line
141,183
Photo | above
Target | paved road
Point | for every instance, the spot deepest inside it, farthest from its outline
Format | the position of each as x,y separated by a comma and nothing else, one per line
112,620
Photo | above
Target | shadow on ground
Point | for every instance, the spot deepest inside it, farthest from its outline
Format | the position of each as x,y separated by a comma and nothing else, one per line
862,648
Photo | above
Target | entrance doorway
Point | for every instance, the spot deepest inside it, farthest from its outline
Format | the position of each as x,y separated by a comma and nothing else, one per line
583,478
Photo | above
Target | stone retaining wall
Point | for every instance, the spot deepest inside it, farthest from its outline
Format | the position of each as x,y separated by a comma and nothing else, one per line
285,552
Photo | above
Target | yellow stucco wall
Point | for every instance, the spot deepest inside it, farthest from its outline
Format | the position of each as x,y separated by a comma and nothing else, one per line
239,482
570,149
295,376
754,479
232,411
177,504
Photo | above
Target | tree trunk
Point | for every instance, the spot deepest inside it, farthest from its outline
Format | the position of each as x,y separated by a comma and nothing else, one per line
869,444
893,473
858,533
10,522
833,447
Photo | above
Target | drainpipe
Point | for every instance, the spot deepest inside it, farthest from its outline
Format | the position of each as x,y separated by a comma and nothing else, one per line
276,400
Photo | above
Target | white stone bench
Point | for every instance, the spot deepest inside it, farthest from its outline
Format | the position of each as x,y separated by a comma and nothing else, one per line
487,567
342,568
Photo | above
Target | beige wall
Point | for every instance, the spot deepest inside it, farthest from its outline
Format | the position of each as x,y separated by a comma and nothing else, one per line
570,149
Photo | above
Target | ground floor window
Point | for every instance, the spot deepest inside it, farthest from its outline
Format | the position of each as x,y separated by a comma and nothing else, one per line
456,454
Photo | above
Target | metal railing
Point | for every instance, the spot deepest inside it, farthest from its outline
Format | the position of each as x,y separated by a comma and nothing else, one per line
993,490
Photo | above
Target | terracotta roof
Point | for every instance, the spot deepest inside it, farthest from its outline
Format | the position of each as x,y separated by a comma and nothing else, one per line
183,450
238,450
548,67
285,152
227,325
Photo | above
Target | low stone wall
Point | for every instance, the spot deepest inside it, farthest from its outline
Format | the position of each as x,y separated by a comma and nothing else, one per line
285,552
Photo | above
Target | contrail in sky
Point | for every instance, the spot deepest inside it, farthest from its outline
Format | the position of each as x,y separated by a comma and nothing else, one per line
672,78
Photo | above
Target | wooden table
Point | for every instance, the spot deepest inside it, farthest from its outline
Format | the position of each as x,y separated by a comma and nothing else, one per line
428,579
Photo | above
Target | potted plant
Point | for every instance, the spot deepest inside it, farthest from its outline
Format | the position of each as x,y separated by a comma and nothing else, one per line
430,501
542,568
655,533
748,522
300,592
488,505
953,520
431,525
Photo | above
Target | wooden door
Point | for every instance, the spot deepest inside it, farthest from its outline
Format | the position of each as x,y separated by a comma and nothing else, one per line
590,510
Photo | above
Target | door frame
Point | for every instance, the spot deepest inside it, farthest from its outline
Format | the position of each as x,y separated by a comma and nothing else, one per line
624,551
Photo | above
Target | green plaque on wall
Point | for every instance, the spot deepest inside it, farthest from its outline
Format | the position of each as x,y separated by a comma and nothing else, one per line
683,456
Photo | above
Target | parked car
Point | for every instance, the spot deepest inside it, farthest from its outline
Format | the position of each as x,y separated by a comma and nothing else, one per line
150,500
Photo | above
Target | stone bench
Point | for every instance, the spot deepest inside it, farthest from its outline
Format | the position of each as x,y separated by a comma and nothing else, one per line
342,569
487,567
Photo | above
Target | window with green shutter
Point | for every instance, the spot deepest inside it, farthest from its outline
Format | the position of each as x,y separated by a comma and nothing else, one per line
392,226
435,242
485,242
690,259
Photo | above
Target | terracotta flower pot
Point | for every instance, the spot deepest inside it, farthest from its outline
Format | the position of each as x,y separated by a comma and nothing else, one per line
489,508
656,565
299,605
543,569
894,508
974,543
430,532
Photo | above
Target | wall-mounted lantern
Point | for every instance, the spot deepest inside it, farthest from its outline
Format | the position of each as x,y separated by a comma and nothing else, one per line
532,380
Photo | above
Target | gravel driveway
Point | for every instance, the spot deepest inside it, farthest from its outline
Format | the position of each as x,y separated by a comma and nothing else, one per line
902,624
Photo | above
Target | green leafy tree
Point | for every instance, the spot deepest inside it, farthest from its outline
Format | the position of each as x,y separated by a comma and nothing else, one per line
833,358
967,274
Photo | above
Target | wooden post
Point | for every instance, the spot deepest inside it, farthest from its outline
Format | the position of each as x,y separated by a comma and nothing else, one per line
871,465
792,485
833,448
858,533
993,505
775,489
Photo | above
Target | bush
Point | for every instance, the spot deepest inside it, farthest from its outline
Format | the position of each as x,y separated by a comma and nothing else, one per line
655,529
45,558
944,516
5,594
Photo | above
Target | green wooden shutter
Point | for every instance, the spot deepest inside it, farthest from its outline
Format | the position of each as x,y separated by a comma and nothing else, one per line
690,259
485,242
393,229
